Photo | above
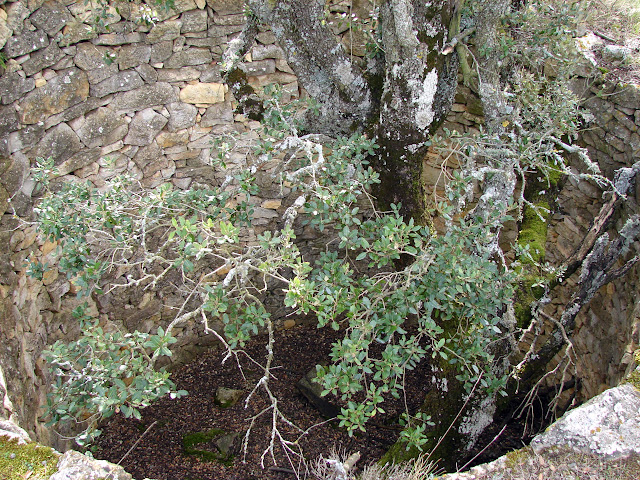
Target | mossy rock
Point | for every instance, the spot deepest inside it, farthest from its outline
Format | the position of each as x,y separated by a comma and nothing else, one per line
534,230
30,460
214,445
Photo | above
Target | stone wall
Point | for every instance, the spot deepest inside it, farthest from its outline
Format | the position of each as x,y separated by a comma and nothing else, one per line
148,99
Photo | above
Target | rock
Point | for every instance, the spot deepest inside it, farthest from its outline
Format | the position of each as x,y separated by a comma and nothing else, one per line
227,397
171,139
114,39
25,43
194,21
227,444
25,138
10,430
16,13
161,51
203,93
102,127
51,17
76,32
190,56
261,67
218,114
607,425
261,52
226,7
147,72
5,32
76,111
185,74
120,82
8,125
131,56
69,88
144,127
76,466
159,93
43,59
93,60
612,53
223,30
312,390
60,143
78,161
182,115
164,31
13,86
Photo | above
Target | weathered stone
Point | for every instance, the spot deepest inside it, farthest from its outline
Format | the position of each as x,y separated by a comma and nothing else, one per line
190,56
227,397
169,30
218,114
233,19
120,82
144,127
182,115
223,30
25,43
76,32
212,43
115,39
51,17
266,38
628,96
76,111
59,143
14,172
211,75
16,13
147,72
5,32
74,465
226,7
78,161
261,67
161,51
203,93
148,154
262,52
148,96
131,56
43,59
607,425
25,138
13,86
171,139
8,124
312,391
185,74
102,127
193,21
67,89
259,82
93,60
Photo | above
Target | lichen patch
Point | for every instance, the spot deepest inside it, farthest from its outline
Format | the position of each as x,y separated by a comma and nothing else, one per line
424,101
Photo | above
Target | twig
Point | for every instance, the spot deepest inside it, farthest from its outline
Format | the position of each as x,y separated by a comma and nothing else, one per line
137,442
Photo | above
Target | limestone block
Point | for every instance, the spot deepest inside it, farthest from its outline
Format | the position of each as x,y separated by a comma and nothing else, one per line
628,96
218,114
115,39
74,465
159,93
232,19
91,103
13,86
186,74
120,82
69,88
93,60
147,72
182,115
160,51
76,32
25,138
5,32
25,43
164,31
266,38
203,93
8,125
607,425
223,30
259,82
261,52
179,6
102,127
16,13
131,56
171,139
51,17
194,21
43,59
190,56
260,67
211,74
226,7
60,143
145,126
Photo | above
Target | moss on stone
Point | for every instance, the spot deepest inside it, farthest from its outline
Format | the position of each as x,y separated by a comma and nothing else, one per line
191,440
534,229
634,377
29,460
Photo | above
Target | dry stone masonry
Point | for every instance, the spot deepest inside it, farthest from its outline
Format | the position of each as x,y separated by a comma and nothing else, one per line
148,99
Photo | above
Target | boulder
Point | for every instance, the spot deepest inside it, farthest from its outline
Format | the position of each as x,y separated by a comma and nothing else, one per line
227,397
608,425
60,143
76,466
